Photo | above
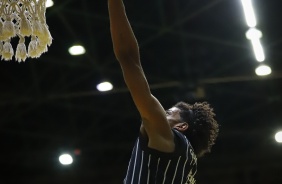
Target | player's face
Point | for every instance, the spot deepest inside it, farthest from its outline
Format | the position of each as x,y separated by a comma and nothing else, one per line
173,116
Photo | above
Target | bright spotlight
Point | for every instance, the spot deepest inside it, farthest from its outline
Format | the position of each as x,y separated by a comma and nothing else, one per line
76,50
66,159
278,137
249,13
105,86
254,36
49,3
253,33
258,50
263,70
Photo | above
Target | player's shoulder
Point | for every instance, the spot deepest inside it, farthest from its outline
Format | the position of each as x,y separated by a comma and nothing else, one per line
180,141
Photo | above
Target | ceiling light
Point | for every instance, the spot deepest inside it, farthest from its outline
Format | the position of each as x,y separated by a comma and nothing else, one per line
253,33
76,50
49,3
258,50
278,137
65,159
254,36
105,86
249,13
263,70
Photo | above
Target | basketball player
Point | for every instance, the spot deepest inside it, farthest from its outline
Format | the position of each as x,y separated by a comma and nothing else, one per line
169,142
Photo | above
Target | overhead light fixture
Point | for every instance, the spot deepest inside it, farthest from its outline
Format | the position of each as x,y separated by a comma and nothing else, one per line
77,50
278,137
258,50
253,33
254,36
263,70
49,3
249,13
66,159
104,86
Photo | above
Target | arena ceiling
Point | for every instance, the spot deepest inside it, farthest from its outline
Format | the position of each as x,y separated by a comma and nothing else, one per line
191,51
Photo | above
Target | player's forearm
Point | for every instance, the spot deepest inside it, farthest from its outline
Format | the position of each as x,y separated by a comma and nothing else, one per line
124,41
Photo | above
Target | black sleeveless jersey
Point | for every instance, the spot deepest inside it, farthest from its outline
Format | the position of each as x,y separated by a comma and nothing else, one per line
150,166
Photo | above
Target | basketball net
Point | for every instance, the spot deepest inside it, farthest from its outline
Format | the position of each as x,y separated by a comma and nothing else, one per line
26,20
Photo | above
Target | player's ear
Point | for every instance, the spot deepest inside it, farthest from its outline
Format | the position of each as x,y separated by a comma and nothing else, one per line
182,127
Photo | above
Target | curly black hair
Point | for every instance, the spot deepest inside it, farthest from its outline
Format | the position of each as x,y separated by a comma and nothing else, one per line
203,128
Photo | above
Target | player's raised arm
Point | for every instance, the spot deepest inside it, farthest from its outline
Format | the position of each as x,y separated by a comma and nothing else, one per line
127,53
177,136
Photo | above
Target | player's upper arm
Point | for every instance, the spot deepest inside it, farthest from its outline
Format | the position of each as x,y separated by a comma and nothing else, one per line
151,111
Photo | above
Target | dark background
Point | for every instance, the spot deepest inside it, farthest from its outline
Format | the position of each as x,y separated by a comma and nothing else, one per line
191,50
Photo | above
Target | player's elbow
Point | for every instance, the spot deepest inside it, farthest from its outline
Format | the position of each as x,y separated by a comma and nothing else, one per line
130,55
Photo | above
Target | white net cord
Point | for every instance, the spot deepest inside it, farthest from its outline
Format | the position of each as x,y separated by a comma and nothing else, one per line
26,20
